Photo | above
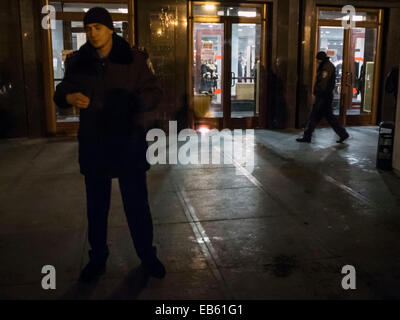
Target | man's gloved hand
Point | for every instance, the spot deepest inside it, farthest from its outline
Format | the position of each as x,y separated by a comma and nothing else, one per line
78,100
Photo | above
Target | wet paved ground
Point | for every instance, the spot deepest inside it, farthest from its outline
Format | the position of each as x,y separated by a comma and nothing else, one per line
281,231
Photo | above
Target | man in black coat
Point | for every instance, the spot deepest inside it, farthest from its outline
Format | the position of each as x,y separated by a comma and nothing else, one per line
113,85
324,85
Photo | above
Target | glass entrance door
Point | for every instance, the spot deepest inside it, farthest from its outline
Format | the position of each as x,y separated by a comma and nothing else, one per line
361,61
245,70
228,59
208,69
355,54
331,40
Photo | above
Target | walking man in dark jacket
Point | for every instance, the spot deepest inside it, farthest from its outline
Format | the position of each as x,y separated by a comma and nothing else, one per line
324,85
113,85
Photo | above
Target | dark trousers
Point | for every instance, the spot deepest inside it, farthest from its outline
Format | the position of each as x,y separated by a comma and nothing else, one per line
134,196
323,109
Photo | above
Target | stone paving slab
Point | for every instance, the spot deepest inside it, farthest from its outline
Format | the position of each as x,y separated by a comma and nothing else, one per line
283,232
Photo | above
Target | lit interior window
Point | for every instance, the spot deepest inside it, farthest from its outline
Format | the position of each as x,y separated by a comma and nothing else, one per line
247,14
209,7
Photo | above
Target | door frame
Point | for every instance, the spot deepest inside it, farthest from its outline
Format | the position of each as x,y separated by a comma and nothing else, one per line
345,96
227,121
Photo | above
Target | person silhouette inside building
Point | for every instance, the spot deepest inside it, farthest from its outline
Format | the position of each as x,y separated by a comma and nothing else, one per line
322,108
113,85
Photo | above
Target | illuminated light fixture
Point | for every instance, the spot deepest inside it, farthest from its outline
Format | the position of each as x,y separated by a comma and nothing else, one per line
159,32
123,10
203,129
85,9
167,19
247,14
209,7
358,18
355,18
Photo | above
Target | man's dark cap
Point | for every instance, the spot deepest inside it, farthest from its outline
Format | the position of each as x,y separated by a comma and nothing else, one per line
322,55
98,15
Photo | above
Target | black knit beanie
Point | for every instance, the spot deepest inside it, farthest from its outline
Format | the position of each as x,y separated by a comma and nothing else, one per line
98,15
322,55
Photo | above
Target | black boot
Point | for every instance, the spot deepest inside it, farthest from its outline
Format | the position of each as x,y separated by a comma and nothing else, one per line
153,266
343,138
96,266
304,139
